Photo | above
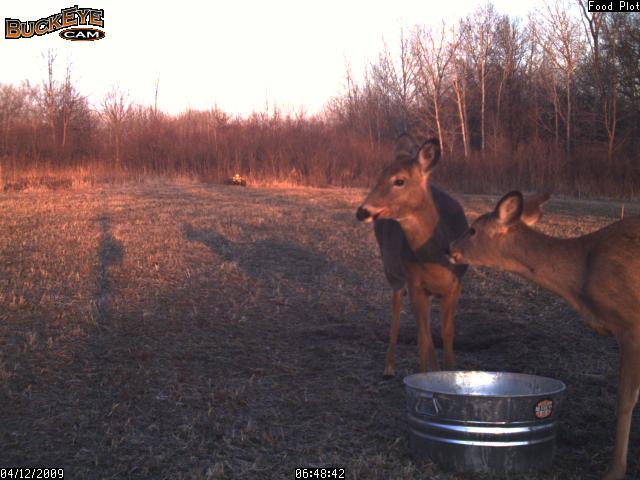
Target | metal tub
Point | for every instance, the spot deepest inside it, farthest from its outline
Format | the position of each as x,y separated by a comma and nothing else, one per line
483,422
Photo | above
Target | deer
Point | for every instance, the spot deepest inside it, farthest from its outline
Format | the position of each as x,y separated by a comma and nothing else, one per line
597,274
414,221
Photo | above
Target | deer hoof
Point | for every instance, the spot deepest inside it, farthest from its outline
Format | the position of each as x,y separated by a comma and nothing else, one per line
389,372
614,474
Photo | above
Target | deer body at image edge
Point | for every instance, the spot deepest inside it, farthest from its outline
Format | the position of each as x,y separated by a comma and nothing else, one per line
598,274
414,222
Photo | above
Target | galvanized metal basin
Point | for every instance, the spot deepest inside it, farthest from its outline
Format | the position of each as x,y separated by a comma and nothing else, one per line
495,423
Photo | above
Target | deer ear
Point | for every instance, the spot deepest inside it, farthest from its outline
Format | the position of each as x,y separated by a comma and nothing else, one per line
405,146
509,208
428,155
532,211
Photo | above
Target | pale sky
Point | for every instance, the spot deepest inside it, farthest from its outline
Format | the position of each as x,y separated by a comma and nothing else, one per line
234,54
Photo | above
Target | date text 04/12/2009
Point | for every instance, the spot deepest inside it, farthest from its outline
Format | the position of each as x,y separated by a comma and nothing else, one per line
18,473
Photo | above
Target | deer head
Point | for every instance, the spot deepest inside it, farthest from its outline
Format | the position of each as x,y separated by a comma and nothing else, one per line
489,239
400,190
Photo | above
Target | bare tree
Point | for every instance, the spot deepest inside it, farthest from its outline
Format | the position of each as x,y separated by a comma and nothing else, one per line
602,27
530,69
434,51
563,44
479,40
508,54
12,101
116,108
628,86
155,97
406,77
70,101
460,88
391,88
49,101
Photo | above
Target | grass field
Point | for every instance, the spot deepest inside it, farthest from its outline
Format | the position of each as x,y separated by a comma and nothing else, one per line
195,331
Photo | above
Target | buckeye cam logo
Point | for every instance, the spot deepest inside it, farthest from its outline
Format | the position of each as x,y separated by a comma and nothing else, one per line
69,21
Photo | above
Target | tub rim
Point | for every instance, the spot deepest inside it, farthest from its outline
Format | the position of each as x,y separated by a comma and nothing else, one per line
560,385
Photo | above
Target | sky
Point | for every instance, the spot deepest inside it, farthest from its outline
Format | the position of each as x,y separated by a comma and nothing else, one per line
237,55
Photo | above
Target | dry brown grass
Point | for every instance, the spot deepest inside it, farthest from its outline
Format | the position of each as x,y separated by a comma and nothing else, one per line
178,330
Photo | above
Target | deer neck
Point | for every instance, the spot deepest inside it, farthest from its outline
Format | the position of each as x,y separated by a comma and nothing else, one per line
556,264
419,226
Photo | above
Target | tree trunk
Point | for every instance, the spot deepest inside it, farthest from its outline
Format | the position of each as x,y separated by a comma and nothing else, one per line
611,131
568,119
482,109
497,125
556,113
461,110
436,109
117,147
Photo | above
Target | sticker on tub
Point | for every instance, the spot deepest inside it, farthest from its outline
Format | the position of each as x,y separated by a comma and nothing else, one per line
544,408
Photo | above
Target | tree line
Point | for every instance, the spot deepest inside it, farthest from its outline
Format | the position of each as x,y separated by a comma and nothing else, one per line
547,102
552,101
49,129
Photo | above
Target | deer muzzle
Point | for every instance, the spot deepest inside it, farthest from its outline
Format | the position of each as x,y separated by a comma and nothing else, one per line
454,257
363,215
454,253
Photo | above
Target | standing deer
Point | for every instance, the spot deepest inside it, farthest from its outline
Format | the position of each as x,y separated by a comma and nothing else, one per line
597,274
414,222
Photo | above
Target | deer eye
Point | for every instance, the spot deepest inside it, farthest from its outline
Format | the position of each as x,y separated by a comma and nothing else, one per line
472,232
398,182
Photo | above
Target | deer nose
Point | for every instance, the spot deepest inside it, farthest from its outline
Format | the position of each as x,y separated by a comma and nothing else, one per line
448,255
453,254
362,214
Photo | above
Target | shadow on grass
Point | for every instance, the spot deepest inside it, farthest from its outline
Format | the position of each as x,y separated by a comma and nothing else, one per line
265,258
110,253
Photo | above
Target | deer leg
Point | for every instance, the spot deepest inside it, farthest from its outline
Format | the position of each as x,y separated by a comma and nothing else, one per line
421,304
447,311
396,305
628,386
